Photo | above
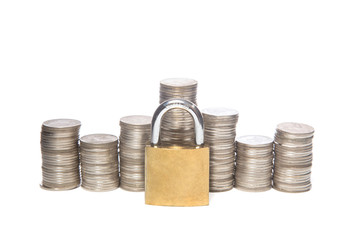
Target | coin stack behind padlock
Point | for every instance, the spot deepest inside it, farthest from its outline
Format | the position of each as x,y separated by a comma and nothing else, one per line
293,157
99,162
134,136
254,163
177,126
60,154
220,132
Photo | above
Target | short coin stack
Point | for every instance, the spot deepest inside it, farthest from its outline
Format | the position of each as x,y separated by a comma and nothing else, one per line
99,162
254,163
134,136
220,132
177,126
293,157
60,154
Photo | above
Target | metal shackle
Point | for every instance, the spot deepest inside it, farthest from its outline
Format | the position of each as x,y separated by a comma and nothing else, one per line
181,104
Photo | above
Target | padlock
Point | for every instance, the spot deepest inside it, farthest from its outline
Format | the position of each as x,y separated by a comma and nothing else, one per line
177,175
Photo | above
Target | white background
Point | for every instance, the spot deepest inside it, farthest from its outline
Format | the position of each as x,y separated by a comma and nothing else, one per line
97,61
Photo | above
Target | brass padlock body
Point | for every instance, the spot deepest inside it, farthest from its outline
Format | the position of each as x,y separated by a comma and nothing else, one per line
177,176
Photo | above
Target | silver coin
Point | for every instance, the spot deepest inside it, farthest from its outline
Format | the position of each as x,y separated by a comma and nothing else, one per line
134,136
295,128
61,123
99,162
60,154
254,140
220,133
98,139
220,112
293,157
254,163
178,82
177,126
137,120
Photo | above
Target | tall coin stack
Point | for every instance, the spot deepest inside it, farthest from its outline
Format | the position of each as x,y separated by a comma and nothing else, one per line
293,157
99,162
220,132
134,136
60,154
177,126
254,163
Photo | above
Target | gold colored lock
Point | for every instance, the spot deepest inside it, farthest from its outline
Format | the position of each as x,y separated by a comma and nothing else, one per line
177,175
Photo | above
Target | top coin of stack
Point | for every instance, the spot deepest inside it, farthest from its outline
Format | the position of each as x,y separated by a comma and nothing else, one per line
60,154
99,162
220,132
134,136
177,126
293,157
254,163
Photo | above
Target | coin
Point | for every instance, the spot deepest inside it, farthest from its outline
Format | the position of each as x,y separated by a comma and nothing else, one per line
293,157
219,133
254,163
60,124
255,141
60,154
134,136
295,128
99,162
177,126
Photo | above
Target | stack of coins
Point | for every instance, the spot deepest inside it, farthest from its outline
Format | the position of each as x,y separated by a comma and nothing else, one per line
293,157
99,162
134,136
254,163
220,132
60,154
177,126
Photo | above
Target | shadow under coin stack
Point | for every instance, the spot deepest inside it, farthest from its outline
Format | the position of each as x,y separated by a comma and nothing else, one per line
254,163
177,126
293,157
134,136
60,154
220,132
99,162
